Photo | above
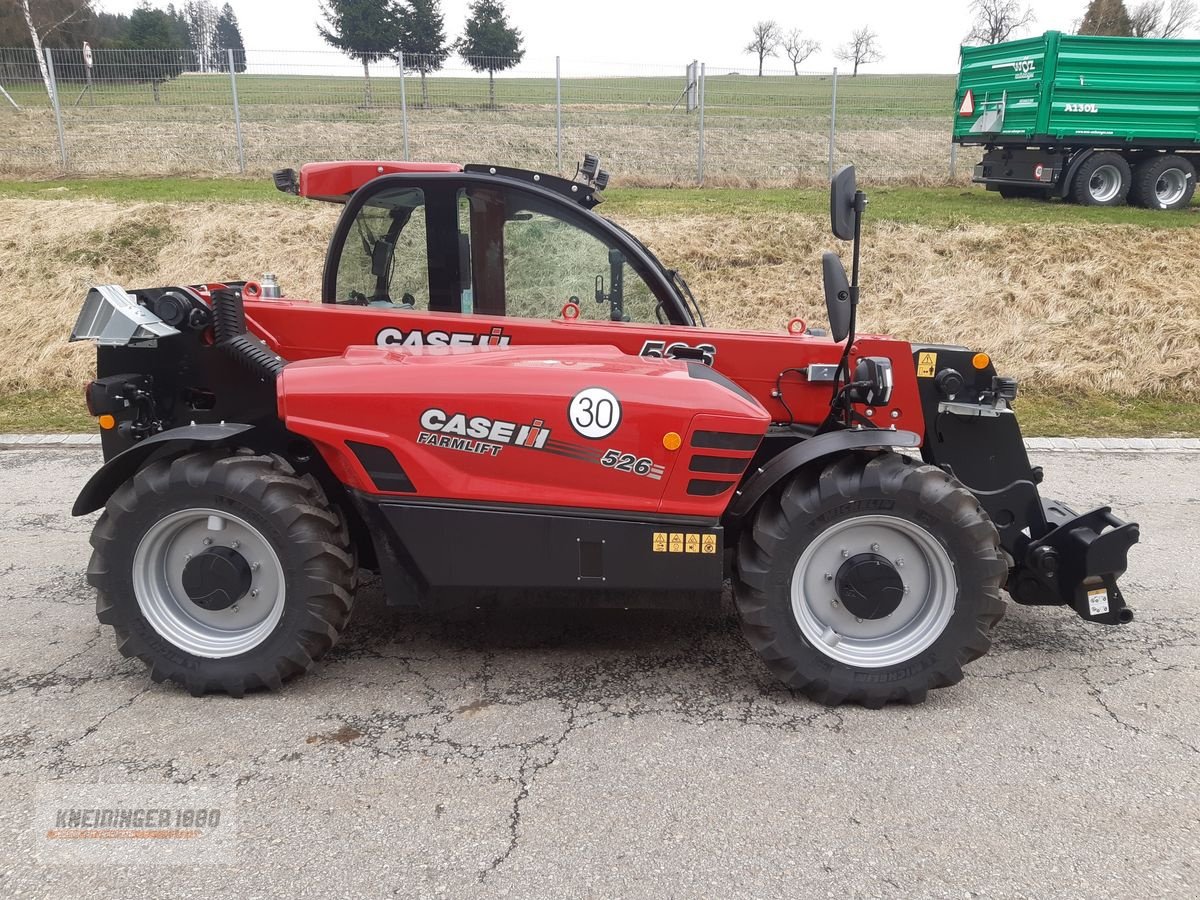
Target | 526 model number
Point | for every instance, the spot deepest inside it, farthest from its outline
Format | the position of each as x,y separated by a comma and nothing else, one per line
630,462
627,462
1080,108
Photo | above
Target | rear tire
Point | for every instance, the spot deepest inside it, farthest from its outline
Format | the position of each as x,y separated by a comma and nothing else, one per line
798,605
1104,179
222,571
1163,182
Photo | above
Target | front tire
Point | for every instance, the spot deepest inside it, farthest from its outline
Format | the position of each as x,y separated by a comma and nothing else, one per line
871,580
222,571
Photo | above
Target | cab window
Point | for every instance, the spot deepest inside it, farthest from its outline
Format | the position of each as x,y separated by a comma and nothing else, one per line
530,261
385,259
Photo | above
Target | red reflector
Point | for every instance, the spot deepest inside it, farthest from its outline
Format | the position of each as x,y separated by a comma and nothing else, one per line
87,398
968,104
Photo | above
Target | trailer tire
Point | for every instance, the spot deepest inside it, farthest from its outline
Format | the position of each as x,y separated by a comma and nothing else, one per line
1163,182
1104,179
272,575
839,652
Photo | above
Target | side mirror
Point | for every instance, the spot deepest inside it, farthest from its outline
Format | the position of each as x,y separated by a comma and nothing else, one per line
842,191
837,293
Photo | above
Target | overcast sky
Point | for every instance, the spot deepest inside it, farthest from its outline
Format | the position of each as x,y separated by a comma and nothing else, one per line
914,36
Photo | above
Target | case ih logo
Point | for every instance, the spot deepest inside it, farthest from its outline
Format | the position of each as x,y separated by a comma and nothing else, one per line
479,434
416,337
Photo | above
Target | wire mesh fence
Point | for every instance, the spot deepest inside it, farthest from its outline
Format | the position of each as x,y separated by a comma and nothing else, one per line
141,112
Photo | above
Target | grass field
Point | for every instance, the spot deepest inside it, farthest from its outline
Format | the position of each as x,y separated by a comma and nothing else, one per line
877,96
1097,311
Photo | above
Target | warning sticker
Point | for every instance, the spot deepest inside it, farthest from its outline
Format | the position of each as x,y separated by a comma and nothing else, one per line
926,364
686,542
1098,601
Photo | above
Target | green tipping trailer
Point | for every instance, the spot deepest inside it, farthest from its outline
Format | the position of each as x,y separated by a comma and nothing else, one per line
1096,120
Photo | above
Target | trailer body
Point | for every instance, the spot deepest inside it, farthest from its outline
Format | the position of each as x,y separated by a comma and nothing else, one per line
1043,106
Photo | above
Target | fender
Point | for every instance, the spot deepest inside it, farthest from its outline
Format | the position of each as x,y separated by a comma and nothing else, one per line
1068,176
121,467
819,447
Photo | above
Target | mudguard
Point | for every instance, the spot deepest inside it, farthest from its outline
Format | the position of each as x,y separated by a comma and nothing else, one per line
121,467
814,448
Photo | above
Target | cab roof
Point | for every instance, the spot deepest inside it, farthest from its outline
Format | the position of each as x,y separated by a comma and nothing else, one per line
336,181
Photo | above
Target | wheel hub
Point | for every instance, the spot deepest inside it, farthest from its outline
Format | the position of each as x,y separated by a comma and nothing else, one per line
869,586
217,578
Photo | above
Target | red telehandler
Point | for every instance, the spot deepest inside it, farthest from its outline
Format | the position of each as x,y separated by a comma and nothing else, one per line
502,392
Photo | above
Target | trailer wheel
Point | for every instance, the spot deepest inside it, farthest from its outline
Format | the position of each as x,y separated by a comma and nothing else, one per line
222,571
872,580
1104,179
1163,182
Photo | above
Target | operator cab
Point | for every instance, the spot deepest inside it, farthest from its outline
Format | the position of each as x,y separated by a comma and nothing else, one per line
487,240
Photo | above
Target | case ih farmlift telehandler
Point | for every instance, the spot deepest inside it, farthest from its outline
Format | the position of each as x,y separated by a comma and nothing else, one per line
503,392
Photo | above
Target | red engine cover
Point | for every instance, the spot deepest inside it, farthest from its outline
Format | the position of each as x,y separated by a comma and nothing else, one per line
568,426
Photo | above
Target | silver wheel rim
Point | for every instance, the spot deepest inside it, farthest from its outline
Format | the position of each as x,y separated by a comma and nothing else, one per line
1170,187
923,614
1105,183
158,567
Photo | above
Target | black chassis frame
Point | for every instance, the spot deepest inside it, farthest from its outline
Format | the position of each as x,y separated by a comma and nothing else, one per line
1000,162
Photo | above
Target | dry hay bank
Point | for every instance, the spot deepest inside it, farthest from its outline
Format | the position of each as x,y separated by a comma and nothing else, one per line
1075,308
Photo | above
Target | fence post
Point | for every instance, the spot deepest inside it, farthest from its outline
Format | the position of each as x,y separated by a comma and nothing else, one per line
403,103
700,155
833,124
953,160
237,113
558,112
62,140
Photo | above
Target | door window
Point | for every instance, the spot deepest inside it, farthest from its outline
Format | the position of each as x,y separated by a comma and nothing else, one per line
384,261
546,261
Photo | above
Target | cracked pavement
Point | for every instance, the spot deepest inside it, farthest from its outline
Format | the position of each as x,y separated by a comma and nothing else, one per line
625,754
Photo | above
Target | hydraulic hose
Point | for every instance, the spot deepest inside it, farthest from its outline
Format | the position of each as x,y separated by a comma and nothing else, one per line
229,328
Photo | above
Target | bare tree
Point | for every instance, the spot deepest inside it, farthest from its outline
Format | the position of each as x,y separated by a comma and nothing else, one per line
1157,18
766,41
862,49
798,48
997,20
37,34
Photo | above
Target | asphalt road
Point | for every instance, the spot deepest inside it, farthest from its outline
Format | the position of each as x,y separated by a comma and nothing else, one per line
622,754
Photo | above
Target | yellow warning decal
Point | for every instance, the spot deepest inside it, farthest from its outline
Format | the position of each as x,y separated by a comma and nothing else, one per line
926,364
685,542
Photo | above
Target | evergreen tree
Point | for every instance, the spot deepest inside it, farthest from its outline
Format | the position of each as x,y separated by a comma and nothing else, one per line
1106,17
366,30
157,42
423,39
229,37
489,44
